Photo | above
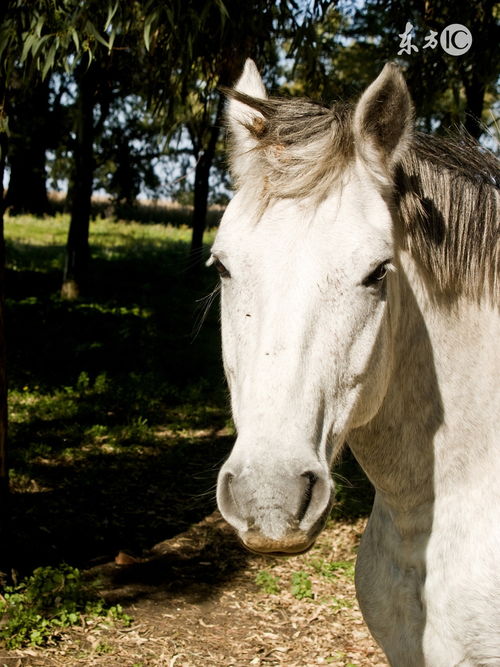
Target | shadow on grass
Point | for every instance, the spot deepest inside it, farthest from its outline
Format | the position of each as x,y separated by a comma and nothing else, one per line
92,506
104,394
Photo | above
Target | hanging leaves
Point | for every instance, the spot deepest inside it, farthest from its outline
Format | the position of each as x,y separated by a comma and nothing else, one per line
43,35
148,23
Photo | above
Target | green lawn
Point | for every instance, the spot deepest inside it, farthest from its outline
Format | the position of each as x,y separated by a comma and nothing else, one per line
118,412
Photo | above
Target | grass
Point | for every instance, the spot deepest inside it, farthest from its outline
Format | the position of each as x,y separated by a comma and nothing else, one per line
301,587
331,570
118,413
267,582
112,388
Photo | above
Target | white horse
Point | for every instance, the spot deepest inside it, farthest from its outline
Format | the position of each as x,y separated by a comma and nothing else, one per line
359,293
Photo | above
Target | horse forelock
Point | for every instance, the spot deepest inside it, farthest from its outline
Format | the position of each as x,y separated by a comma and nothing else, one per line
302,147
446,191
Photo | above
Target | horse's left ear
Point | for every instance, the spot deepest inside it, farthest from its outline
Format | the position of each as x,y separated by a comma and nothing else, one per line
383,121
246,122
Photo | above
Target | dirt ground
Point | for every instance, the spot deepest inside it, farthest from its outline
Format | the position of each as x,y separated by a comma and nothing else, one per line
195,601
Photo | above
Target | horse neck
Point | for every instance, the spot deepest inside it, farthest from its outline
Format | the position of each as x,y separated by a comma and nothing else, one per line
435,426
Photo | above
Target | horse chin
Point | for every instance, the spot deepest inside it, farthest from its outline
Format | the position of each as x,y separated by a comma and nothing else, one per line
293,545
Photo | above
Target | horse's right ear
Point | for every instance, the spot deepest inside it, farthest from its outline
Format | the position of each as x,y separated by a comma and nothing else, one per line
246,122
383,121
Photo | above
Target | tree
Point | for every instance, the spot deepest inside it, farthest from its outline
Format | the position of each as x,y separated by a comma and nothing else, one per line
130,144
77,247
38,37
28,142
464,81
251,29
353,42
34,34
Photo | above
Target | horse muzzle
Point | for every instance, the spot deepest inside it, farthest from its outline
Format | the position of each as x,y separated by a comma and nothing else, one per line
276,508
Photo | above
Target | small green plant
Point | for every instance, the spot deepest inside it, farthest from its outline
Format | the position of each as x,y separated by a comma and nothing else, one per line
337,604
52,598
83,382
267,582
101,384
136,431
302,586
332,570
102,648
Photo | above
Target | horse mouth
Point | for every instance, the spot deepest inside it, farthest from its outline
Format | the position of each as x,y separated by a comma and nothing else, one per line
293,545
278,554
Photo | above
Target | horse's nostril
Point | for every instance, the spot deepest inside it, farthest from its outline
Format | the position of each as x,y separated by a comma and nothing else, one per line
274,501
224,490
311,479
311,476
229,498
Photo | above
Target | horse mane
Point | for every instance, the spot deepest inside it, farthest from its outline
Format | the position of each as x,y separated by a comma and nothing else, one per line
446,191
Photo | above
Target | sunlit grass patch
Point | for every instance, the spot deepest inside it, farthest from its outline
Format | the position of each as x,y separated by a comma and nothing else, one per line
338,603
43,232
30,403
38,244
94,415
301,586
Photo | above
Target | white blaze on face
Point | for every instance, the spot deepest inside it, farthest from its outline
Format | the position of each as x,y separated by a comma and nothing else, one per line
298,324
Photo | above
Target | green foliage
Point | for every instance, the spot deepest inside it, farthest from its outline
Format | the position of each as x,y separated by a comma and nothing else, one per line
267,582
331,570
45,35
352,41
337,604
301,587
52,598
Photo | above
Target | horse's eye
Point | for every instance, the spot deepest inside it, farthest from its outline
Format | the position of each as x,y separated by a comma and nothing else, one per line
378,275
220,268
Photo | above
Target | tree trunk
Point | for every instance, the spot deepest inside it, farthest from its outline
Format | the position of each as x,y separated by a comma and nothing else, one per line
28,114
474,92
77,248
479,65
201,190
27,191
5,564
